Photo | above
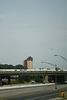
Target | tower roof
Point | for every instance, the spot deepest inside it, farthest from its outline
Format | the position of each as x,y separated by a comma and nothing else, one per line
29,58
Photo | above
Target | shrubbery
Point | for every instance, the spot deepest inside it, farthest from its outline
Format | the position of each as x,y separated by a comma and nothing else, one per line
24,79
6,66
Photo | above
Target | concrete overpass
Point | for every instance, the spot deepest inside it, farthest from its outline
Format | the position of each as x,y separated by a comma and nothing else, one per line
7,74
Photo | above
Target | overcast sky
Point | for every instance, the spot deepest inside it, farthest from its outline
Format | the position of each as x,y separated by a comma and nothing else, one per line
36,28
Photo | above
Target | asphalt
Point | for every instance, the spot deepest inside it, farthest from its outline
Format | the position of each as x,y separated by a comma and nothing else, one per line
19,90
50,95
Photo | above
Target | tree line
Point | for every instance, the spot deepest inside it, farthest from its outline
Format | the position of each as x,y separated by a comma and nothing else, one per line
6,66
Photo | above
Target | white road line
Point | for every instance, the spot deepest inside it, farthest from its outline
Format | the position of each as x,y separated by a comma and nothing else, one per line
41,96
58,98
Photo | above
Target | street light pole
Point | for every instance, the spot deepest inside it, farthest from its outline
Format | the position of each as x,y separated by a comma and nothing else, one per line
61,57
55,77
55,74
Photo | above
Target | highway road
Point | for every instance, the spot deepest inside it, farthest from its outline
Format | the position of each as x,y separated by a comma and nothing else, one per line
32,93
50,95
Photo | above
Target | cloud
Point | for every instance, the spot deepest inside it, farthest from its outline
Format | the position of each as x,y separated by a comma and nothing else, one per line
2,16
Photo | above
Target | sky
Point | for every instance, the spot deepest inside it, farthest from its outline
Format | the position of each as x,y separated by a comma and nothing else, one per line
36,28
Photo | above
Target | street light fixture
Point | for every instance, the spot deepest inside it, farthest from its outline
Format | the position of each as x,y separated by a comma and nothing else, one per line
61,57
51,64
55,75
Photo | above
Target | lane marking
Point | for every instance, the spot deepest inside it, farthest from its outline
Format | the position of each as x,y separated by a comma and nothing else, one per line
58,98
41,96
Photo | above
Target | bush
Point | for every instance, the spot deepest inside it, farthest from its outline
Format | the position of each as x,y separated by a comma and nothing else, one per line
20,79
39,80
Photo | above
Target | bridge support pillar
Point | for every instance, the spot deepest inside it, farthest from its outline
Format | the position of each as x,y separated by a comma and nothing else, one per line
0,80
9,81
46,79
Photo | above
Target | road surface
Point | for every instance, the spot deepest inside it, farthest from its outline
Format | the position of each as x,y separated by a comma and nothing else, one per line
41,96
30,92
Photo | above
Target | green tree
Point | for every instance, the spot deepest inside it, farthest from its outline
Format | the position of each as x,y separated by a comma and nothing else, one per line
20,79
6,66
19,66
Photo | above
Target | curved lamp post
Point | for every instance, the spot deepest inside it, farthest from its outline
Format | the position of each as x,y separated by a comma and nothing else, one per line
61,57
55,75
